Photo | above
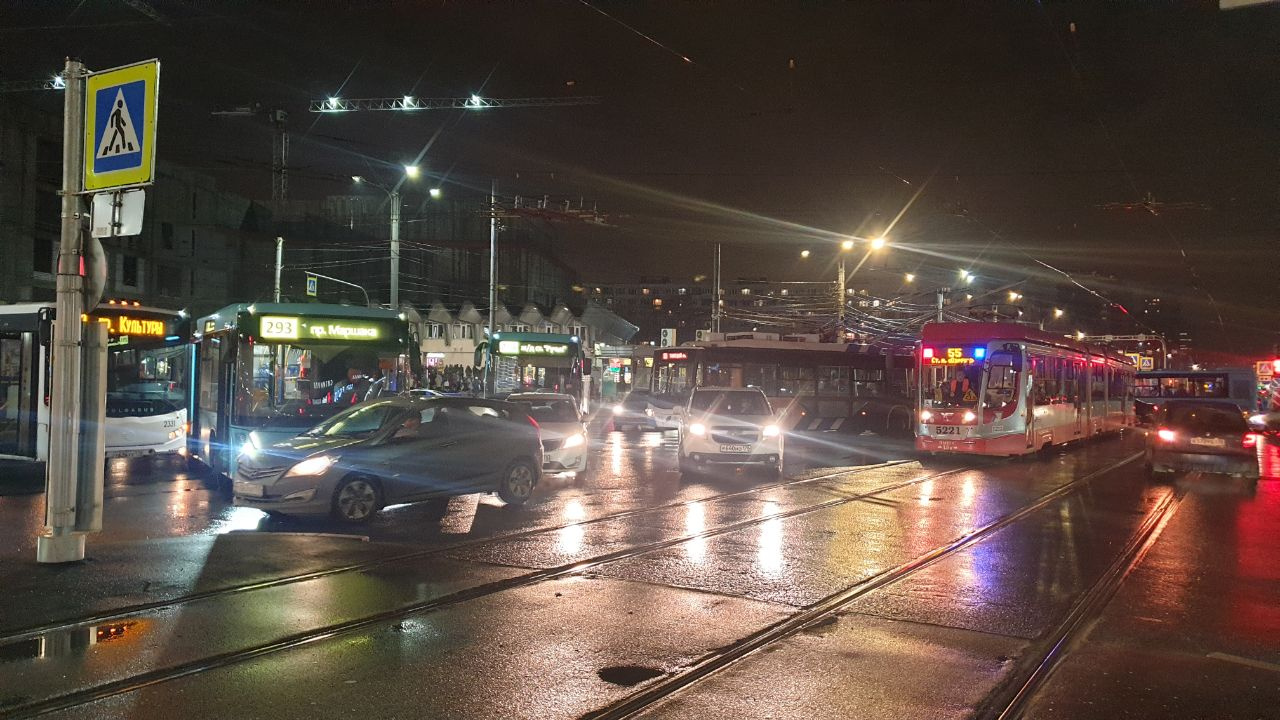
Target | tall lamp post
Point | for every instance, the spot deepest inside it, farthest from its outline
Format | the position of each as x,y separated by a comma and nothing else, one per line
873,245
411,172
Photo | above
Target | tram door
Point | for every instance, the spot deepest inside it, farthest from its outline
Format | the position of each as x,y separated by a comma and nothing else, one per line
19,379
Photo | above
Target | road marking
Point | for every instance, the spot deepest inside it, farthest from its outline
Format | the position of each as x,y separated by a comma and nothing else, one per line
1273,667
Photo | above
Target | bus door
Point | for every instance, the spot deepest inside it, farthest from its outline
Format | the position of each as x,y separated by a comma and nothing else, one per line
19,394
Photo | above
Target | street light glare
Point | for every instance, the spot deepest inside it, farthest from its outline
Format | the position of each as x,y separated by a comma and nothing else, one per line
412,171
804,253
1057,312
879,243
434,192
475,100
408,101
846,245
910,277
333,102
357,179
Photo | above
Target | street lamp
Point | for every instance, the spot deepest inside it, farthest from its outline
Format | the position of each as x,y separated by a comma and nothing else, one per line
1058,312
411,172
846,245
1014,296
879,243
909,277
434,193
804,253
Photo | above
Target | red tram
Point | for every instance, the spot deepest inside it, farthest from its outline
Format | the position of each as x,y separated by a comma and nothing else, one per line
1007,389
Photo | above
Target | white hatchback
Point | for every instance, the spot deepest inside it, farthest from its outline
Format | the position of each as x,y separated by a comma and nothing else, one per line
563,431
730,426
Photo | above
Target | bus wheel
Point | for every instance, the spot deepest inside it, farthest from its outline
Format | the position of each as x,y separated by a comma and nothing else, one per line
356,500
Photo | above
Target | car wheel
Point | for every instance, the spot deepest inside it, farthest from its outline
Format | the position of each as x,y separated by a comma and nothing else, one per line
356,500
516,486
436,508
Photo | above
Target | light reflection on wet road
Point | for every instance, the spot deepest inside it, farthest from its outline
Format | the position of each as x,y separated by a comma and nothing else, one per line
693,566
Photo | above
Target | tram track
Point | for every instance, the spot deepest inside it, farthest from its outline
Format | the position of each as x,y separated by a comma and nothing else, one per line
214,661
124,612
1011,700
817,612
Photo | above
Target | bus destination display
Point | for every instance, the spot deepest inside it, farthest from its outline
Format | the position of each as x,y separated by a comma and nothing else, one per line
292,327
519,347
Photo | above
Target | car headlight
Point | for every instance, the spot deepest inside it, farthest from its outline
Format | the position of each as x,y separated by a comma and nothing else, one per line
968,416
698,429
617,409
925,416
574,440
771,431
311,466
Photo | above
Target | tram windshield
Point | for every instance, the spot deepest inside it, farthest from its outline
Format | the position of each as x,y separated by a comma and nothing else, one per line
955,386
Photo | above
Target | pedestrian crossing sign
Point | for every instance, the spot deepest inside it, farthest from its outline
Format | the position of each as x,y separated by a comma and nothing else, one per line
120,126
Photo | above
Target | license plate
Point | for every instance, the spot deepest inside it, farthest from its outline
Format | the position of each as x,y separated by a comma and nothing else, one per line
248,489
1208,442
946,430
735,448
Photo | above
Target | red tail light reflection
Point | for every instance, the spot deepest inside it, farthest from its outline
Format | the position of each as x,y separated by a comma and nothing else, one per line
1166,435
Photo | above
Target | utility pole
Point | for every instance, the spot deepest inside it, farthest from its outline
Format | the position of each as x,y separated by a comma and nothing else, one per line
395,247
840,294
60,542
493,283
279,262
715,300
942,299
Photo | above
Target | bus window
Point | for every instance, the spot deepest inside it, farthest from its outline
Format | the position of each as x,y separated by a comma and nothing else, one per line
833,381
761,376
796,382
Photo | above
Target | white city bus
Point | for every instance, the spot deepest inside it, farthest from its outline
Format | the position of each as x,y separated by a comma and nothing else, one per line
147,372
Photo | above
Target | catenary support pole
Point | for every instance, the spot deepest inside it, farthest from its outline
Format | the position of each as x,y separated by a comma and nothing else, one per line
279,263
59,542
489,378
395,249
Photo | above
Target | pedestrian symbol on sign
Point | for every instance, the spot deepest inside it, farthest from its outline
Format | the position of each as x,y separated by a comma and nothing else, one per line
120,137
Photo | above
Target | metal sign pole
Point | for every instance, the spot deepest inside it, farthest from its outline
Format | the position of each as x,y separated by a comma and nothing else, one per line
59,542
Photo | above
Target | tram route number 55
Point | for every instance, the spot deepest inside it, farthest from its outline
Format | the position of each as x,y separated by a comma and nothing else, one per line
275,327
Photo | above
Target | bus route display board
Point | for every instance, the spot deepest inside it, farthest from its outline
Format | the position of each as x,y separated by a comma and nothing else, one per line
525,347
953,355
295,328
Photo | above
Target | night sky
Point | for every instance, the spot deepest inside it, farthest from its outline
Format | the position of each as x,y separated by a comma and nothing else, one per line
773,126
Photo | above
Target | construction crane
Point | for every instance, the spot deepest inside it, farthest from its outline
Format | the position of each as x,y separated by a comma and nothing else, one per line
279,120
474,102
54,82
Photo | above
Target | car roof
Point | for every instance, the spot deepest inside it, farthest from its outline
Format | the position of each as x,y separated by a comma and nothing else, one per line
729,390
539,396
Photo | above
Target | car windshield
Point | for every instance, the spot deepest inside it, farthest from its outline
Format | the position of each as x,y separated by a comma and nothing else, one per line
302,415
732,403
1206,418
361,420
550,411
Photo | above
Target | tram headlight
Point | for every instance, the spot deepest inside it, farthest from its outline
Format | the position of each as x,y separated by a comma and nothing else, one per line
925,416
312,466
968,417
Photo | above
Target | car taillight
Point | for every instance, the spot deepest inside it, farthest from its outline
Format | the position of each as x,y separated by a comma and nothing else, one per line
1166,434
1250,440
536,428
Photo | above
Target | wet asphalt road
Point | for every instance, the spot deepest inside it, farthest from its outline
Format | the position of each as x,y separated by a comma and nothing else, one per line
863,585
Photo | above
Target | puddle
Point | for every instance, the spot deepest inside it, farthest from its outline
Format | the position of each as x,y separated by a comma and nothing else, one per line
628,675
63,643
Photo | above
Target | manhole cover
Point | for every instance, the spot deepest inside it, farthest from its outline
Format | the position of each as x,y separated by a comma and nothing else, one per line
628,675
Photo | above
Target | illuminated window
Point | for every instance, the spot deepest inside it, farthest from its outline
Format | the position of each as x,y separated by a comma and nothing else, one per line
657,302
746,291
645,291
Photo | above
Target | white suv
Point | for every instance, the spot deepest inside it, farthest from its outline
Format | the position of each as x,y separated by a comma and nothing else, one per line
730,426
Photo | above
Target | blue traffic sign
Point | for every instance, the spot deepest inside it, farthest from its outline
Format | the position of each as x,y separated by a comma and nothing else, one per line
312,285
120,127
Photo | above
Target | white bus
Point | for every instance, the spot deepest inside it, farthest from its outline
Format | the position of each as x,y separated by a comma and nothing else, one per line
147,373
